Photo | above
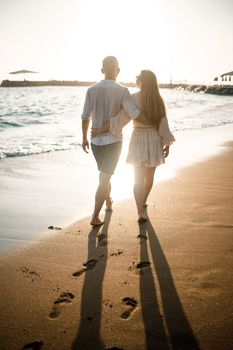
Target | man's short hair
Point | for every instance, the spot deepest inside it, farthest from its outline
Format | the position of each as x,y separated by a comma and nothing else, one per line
109,64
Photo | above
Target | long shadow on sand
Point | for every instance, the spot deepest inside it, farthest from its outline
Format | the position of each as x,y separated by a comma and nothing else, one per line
88,336
170,330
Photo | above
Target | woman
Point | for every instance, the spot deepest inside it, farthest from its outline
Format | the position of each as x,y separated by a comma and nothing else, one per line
149,143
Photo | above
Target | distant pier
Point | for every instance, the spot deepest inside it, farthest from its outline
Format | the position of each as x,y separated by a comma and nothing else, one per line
216,89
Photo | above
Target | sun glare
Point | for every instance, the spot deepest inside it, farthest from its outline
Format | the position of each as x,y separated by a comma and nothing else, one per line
68,39
130,30
123,179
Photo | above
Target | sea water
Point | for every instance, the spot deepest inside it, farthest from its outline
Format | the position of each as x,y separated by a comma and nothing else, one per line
36,120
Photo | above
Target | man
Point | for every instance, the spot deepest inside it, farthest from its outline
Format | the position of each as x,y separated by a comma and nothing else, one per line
103,101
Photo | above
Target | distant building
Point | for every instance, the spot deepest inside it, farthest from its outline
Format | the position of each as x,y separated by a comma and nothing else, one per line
226,77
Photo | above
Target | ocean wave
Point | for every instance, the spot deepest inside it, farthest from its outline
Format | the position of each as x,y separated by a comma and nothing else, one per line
6,124
22,152
28,112
40,148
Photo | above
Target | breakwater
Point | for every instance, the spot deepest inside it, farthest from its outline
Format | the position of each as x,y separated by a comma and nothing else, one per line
226,90
201,88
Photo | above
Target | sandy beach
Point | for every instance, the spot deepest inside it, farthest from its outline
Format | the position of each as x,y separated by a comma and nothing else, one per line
166,284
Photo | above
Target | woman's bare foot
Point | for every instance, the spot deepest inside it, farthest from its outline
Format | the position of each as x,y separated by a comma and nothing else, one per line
109,204
96,222
142,216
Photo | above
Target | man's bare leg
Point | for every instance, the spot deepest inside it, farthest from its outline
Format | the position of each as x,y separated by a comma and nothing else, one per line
100,197
109,199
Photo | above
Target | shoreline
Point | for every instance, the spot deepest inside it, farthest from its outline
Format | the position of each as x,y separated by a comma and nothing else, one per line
216,89
44,190
175,272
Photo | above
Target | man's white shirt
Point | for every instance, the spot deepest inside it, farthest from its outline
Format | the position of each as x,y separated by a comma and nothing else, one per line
105,100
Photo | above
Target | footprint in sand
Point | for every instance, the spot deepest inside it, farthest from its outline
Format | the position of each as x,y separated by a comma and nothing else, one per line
89,265
36,345
107,302
64,298
143,264
102,239
131,267
33,275
119,252
132,303
54,228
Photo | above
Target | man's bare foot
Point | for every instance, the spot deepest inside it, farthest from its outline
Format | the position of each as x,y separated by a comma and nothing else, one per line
142,219
109,204
96,222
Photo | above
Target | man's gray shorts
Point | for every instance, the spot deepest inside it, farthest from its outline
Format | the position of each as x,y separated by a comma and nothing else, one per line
107,156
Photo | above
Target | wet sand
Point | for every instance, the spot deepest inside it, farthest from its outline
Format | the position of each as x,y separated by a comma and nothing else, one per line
58,188
166,284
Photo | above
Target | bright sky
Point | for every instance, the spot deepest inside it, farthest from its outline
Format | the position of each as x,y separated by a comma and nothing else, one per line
67,39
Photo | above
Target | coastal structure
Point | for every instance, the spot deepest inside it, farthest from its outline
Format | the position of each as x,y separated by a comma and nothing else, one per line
220,88
28,83
225,77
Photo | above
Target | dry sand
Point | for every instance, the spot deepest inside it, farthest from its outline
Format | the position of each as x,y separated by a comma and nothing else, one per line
166,284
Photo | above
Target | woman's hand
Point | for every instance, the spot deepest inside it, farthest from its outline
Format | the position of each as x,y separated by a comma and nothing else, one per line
165,151
99,131
96,131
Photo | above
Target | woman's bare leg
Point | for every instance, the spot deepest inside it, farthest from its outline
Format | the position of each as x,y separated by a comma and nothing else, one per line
148,182
139,173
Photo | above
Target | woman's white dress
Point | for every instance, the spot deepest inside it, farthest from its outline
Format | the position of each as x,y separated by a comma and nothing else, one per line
146,144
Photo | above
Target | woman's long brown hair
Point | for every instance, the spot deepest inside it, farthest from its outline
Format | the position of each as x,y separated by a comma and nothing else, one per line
152,104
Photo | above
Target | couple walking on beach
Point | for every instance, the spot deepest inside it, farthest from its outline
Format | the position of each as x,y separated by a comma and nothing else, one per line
110,107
